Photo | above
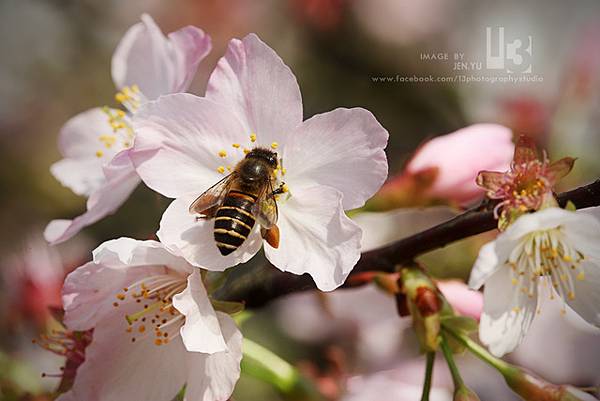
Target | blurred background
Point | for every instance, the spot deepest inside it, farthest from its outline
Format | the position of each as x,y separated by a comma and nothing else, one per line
55,63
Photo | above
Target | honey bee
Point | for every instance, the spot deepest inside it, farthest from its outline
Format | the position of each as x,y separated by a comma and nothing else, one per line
240,199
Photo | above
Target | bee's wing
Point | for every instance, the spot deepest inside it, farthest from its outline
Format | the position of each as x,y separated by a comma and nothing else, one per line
211,199
265,208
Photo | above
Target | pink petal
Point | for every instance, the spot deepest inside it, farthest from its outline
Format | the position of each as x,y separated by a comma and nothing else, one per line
201,331
179,137
465,301
253,82
117,369
343,149
89,291
102,202
193,238
220,371
461,155
157,64
316,237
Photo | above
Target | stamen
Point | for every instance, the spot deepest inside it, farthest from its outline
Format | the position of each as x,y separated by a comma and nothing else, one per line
253,137
547,255
222,153
221,169
274,145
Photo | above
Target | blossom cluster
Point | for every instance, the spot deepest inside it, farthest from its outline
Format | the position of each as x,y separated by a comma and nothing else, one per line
150,304
150,310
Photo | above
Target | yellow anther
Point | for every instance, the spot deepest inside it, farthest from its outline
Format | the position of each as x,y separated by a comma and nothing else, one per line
252,137
142,328
120,113
108,140
283,171
516,309
222,153
567,258
120,97
221,169
274,145
246,151
121,297
571,295
135,88
581,276
99,153
514,281
235,145
158,341
285,188
229,168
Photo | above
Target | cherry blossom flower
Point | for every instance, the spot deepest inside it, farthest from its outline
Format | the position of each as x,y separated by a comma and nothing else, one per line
95,143
445,167
527,186
330,163
155,329
554,251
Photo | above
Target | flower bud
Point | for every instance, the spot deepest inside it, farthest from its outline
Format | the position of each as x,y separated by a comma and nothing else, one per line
463,393
424,303
532,388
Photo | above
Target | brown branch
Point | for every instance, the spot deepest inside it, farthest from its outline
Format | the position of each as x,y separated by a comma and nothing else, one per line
259,286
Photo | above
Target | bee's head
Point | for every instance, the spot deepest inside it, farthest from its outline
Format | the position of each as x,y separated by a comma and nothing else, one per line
264,154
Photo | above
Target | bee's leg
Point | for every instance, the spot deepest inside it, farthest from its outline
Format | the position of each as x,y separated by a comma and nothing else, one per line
271,235
279,189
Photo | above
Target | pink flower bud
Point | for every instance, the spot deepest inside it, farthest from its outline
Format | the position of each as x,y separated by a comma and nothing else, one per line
460,156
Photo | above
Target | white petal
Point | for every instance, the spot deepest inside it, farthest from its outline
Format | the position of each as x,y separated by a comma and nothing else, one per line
78,142
383,228
253,81
101,203
146,58
343,149
592,211
587,293
116,369
178,141
486,264
583,231
213,377
193,238
542,220
79,137
201,331
316,237
502,327
82,176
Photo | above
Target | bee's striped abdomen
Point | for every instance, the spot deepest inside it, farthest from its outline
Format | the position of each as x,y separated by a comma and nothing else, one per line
234,221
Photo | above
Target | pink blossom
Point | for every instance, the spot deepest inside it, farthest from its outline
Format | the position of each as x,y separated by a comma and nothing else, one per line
154,328
330,163
95,144
457,158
